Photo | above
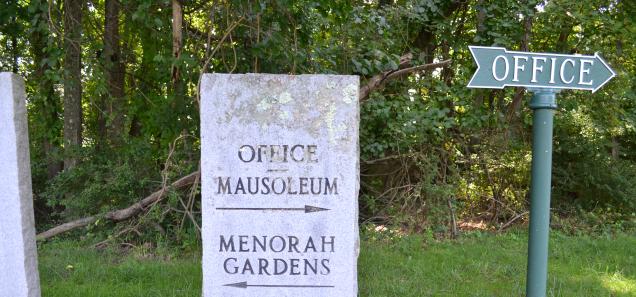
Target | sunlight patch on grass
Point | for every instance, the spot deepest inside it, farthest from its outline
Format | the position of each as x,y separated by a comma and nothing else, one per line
618,283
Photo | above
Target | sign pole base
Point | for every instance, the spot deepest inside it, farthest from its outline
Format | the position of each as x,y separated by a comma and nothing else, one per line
544,104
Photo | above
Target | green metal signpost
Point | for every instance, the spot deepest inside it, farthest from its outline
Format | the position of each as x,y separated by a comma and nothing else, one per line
544,75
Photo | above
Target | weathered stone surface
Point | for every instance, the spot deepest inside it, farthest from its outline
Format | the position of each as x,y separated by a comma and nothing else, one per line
18,253
280,180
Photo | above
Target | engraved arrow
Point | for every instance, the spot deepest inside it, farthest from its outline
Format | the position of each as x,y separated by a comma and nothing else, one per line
244,285
306,209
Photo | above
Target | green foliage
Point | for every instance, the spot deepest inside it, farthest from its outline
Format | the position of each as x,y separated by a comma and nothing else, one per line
430,147
593,182
101,184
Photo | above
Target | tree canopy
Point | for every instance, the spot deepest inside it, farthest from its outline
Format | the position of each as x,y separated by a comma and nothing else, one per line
113,102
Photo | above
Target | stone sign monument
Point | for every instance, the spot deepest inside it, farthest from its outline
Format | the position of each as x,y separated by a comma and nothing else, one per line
18,253
280,180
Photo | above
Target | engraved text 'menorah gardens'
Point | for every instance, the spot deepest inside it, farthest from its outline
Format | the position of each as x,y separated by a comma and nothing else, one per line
306,262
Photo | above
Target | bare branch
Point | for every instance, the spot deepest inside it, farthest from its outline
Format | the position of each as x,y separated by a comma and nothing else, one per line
378,81
121,214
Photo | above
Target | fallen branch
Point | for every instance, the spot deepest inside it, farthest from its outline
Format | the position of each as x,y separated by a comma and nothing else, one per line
378,81
121,214
509,223
374,83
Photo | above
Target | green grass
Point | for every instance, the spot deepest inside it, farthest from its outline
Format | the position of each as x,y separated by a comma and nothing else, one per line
476,265
496,266
67,269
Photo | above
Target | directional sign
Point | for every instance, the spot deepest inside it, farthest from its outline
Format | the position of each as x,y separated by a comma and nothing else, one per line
279,185
498,67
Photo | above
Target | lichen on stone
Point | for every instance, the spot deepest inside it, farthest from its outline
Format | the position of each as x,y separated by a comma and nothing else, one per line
285,98
265,104
349,93
312,105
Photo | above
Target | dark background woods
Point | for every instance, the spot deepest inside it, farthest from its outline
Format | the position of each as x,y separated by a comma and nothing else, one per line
113,105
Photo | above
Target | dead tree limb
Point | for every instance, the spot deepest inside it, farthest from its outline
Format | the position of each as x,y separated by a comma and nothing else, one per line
509,223
122,214
378,81
373,84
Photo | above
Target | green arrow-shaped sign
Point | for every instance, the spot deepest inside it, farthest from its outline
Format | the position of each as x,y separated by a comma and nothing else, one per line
498,68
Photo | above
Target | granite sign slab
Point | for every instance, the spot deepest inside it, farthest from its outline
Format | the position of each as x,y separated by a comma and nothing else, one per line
18,253
280,180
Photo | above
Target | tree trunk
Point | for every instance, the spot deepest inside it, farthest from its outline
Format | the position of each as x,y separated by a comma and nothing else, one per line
515,105
480,17
177,44
72,81
14,50
114,101
615,148
384,3
45,103
425,40
562,42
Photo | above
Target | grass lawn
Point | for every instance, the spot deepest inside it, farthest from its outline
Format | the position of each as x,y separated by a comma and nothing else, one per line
476,265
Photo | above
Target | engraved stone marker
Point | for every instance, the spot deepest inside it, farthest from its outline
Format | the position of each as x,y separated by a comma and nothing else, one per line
18,253
280,182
